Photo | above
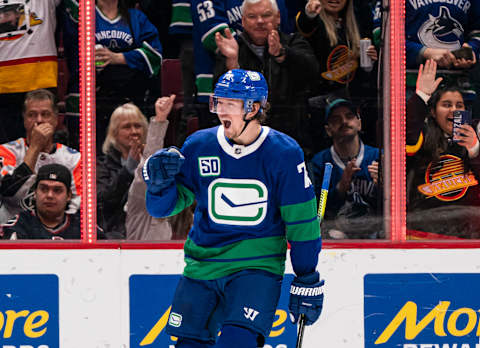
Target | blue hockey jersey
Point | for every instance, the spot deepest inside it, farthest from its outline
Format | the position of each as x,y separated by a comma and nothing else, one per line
141,48
362,183
250,201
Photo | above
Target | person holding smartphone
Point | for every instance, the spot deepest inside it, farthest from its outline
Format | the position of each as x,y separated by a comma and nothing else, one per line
443,167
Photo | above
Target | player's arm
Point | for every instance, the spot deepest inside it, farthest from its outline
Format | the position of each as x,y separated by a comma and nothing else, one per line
147,57
209,17
299,213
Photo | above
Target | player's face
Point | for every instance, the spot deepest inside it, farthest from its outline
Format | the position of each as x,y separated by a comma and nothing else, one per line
259,19
333,7
230,113
38,112
443,112
129,131
343,122
51,198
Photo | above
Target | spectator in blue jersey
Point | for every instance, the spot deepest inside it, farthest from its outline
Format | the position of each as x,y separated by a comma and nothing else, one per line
353,204
49,219
443,168
122,150
253,194
287,61
131,53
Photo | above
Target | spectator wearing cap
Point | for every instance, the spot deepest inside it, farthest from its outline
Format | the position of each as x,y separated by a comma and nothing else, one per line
353,192
49,219
21,159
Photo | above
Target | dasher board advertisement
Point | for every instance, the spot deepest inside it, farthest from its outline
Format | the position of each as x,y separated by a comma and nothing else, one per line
29,311
422,310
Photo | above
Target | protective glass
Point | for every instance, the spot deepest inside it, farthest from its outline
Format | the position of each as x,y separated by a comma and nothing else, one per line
230,106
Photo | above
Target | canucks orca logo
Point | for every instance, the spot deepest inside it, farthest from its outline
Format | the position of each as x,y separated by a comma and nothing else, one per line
442,31
237,201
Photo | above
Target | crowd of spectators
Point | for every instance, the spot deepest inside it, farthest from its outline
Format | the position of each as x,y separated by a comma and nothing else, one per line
320,94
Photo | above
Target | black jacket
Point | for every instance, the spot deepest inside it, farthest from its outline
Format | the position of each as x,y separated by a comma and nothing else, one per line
289,82
113,182
27,225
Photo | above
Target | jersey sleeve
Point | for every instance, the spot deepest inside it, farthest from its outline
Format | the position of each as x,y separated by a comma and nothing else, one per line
298,209
209,17
147,57
181,21
417,110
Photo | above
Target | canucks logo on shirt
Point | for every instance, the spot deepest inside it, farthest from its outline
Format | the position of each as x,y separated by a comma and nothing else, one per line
435,31
237,201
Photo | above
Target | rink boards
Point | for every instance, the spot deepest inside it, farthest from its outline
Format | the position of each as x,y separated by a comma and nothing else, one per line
109,298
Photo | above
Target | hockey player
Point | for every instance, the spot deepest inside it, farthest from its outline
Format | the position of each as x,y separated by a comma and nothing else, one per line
253,194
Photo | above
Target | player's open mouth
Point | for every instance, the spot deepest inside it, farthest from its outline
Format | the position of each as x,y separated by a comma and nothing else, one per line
227,123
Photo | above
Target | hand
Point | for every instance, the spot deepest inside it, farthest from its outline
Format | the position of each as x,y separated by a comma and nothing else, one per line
227,44
41,136
465,136
426,81
108,57
136,149
160,169
372,53
274,44
306,297
163,106
313,7
348,173
373,170
463,63
443,57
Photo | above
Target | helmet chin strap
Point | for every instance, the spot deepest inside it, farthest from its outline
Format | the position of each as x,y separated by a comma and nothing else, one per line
246,123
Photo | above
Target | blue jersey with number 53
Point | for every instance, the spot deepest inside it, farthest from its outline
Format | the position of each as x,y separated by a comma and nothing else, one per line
250,201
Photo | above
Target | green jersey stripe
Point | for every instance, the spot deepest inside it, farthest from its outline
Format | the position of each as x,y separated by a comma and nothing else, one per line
181,14
299,212
247,248
208,270
304,231
185,198
204,84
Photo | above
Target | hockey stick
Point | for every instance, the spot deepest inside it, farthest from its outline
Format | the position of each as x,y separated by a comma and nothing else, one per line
327,173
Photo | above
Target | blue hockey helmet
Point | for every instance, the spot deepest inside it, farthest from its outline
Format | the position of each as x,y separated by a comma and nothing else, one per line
249,86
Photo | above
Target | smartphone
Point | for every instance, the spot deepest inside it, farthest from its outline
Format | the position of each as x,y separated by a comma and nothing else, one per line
461,117
464,52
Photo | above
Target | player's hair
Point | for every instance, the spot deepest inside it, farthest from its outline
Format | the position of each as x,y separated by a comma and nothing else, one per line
40,94
351,27
130,111
251,2
261,115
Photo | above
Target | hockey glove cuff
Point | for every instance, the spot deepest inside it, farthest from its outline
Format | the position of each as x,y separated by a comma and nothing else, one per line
306,297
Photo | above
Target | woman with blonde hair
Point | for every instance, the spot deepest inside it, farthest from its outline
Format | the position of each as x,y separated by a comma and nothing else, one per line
334,33
122,150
